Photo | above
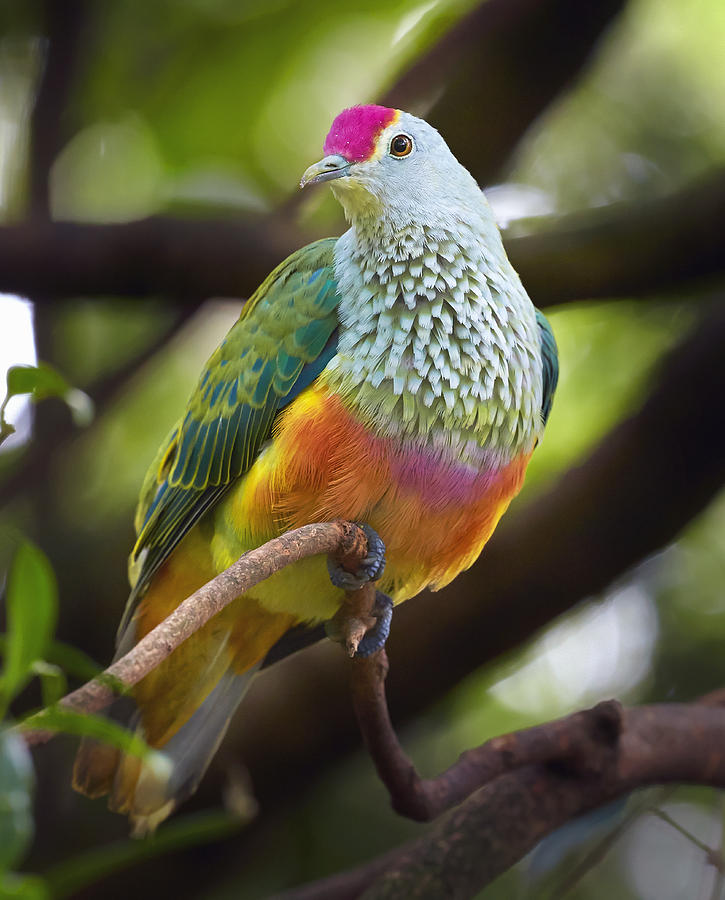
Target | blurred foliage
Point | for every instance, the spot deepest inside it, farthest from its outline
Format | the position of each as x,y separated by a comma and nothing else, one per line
647,120
31,599
40,382
209,106
31,602
16,787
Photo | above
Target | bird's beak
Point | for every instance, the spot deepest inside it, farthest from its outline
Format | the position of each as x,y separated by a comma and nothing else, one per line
325,170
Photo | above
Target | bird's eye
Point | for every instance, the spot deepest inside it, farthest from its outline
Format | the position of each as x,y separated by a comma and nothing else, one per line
401,145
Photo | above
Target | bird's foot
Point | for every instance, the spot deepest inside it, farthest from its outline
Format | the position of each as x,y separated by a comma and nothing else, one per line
370,569
376,636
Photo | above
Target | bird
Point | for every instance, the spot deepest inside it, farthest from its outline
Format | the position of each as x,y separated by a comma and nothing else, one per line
397,376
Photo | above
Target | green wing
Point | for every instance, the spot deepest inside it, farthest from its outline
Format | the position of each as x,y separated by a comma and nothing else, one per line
283,339
550,361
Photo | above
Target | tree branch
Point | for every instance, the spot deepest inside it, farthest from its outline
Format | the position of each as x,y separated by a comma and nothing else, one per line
63,26
620,251
518,788
579,741
634,493
343,540
490,77
189,260
627,251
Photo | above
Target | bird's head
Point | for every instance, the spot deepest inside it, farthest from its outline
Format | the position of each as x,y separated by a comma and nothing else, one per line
386,163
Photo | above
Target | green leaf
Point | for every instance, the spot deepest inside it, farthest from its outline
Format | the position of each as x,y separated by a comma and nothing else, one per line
68,658
53,683
59,718
16,788
41,381
24,887
67,878
32,609
21,380
73,661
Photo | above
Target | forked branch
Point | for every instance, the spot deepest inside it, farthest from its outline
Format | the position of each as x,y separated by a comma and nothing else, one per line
513,790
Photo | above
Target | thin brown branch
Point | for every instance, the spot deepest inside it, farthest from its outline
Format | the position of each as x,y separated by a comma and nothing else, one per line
583,741
343,540
355,617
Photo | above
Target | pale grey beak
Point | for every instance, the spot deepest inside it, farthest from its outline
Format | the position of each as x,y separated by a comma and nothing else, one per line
325,170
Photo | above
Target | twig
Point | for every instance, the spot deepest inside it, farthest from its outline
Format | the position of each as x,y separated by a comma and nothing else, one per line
719,879
351,622
713,856
596,854
343,540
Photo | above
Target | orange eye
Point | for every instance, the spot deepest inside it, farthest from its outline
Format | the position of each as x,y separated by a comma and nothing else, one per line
401,145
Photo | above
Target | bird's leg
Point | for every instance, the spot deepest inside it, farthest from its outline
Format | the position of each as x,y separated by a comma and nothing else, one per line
376,636
370,569
361,631
362,624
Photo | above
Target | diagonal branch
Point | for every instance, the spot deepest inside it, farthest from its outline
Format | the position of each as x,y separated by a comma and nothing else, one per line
498,69
343,540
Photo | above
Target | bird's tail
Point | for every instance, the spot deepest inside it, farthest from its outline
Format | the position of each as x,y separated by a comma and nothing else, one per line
148,791
182,709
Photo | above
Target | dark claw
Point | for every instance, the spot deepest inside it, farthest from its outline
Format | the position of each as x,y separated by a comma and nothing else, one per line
371,567
376,637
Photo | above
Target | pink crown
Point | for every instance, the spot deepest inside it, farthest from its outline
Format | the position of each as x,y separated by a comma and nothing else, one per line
356,130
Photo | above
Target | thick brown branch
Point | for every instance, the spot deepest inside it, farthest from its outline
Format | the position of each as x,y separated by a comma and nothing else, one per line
343,540
533,782
623,251
189,260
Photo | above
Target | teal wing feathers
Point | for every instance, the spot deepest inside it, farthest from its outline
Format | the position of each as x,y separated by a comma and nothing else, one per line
550,363
283,339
